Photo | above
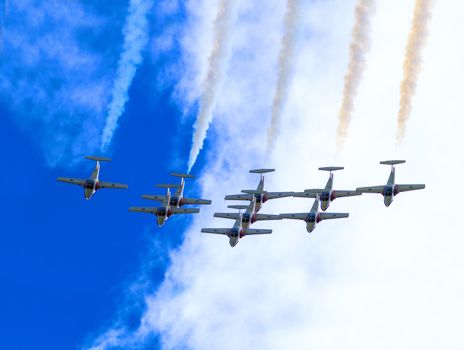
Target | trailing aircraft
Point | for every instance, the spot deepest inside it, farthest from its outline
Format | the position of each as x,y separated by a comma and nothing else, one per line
93,184
391,189
259,196
327,194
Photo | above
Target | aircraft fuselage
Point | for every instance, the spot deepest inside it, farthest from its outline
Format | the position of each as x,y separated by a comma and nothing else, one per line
91,185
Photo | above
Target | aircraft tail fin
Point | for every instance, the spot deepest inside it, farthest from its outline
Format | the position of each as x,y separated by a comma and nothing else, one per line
98,159
392,162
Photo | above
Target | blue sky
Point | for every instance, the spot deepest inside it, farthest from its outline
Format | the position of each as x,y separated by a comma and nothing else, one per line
66,262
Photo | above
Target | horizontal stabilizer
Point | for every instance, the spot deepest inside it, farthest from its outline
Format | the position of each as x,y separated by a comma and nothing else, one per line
167,185
258,231
240,207
392,162
98,159
159,198
187,176
261,171
331,168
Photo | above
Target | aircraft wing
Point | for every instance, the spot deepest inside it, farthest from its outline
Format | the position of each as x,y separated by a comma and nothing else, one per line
104,184
239,197
252,231
340,193
185,210
159,198
260,217
305,194
404,188
196,201
296,216
149,210
325,216
70,180
218,231
274,195
233,216
371,189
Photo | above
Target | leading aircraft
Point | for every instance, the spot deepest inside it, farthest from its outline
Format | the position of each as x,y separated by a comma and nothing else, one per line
327,194
178,200
314,216
92,184
241,227
259,196
166,210
390,190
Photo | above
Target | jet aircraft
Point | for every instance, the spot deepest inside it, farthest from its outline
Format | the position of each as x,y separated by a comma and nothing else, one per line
327,194
391,189
241,227
178,200
259,196
314,216
166,210
92,184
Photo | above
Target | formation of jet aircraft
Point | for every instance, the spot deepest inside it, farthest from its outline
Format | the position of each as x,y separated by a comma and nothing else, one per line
247,214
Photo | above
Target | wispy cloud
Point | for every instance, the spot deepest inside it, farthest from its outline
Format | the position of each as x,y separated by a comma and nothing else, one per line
283,71
51,80
216,71
135,39
412,63
358,48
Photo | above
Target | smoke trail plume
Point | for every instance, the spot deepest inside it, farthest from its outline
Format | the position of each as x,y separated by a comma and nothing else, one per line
216,71
135,38
412,64
358,47
283,75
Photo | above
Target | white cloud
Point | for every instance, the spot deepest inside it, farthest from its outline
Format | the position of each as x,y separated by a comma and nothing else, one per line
384,278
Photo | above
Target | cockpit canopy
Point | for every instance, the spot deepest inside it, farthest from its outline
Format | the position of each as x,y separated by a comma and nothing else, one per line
89,184
161,211
388,191
325,196
246,217
311,217
234,232
174,201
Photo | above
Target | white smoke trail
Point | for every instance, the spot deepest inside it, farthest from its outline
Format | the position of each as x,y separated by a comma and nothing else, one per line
285,59
412,64
216,70
358,48
135,38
